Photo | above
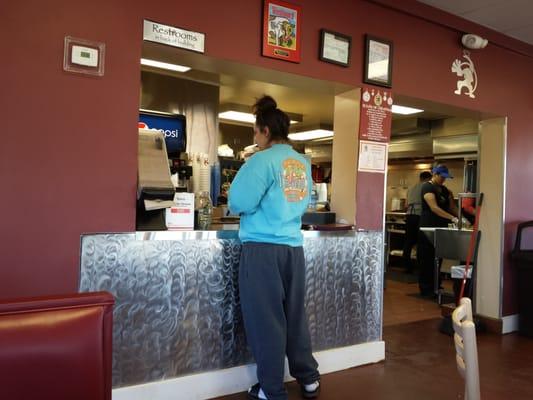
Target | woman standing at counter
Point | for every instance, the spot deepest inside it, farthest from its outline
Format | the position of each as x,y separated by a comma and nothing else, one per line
270,193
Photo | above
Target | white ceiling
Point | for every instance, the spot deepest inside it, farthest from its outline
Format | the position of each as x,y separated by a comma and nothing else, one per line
511,17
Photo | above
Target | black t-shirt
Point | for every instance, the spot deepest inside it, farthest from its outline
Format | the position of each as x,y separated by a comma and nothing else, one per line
442,195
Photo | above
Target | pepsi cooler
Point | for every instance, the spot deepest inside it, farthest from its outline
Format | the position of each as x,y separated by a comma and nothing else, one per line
172,126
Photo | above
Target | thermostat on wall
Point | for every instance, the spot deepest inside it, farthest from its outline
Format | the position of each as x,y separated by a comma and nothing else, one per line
83,56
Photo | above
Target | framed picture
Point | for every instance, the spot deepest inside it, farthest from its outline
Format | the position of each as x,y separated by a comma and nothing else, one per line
378,61
281,30
335,47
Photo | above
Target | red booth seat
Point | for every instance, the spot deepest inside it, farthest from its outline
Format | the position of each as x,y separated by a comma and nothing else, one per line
56,347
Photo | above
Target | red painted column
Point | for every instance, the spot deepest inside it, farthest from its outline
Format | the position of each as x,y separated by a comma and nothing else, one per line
374,138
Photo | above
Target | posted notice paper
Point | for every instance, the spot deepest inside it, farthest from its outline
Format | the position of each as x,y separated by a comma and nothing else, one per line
180,216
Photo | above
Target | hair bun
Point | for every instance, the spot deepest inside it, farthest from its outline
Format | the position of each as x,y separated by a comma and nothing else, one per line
263,104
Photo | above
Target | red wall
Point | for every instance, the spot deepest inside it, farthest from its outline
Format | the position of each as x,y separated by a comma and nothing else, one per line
68,153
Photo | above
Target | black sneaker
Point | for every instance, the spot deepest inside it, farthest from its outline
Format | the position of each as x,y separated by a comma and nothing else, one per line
253,392
310,394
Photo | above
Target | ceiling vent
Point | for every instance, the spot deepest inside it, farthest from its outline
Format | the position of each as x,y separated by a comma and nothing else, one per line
411,147
410,126
456,144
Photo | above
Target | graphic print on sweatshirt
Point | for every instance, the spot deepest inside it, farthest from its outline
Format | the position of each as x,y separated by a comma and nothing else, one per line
294,180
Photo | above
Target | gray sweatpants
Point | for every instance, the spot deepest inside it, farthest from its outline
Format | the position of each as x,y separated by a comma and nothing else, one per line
272,289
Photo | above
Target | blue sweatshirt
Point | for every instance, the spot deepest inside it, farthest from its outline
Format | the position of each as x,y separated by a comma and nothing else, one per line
270,193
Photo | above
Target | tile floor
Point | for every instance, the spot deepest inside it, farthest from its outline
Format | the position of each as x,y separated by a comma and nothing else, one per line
420,361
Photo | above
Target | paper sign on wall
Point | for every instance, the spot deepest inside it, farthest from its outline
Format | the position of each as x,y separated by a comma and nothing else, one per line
372,156
172,36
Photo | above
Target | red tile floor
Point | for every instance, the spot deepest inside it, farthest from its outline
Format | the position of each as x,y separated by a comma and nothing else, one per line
420,361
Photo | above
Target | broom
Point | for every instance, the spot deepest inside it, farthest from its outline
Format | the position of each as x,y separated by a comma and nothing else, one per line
446,325
471,248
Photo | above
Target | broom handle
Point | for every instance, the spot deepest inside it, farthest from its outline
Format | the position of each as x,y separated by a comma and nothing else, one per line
471,247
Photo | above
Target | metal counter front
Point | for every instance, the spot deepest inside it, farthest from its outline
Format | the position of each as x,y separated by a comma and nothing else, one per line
177,306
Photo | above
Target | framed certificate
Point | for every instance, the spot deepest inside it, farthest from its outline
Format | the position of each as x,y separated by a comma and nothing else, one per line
281,30
335,47
378,61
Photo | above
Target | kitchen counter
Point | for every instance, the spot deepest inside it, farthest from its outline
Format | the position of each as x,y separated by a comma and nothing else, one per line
448,232
396,213
450,243
395,218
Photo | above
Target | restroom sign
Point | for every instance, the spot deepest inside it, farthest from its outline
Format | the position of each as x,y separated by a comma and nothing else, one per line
172,36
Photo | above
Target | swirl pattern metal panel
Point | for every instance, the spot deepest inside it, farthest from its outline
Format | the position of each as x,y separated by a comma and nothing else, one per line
177,302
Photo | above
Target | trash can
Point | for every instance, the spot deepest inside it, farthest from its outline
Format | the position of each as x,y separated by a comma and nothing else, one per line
522,257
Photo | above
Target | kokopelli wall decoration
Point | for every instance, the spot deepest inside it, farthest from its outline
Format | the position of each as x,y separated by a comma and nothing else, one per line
467,71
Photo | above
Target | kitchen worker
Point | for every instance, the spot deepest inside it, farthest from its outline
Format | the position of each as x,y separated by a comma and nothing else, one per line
438,210
412,219
270,193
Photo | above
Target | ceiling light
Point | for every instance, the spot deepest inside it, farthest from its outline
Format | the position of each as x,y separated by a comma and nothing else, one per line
240,113
164,65
404,110
310,135
237,116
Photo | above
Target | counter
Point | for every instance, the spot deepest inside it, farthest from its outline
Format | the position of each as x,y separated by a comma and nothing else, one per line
177,308
395,225
451,243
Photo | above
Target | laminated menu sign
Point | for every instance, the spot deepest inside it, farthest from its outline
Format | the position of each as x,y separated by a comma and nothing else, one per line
181,215
376,114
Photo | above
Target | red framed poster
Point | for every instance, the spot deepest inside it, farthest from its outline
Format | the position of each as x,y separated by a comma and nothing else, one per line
281,30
